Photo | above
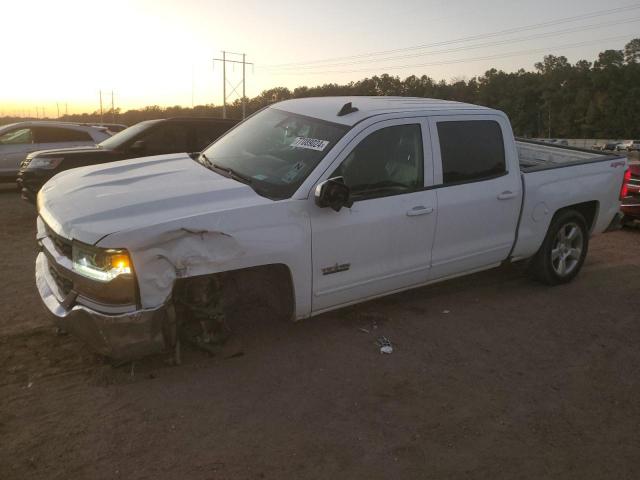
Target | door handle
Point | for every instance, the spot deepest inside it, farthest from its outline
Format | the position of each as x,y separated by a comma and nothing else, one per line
506,195
419,210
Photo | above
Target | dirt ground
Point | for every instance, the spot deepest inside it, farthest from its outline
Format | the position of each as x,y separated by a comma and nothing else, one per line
492,376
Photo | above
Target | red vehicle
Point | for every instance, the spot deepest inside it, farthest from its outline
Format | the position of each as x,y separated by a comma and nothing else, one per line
631,203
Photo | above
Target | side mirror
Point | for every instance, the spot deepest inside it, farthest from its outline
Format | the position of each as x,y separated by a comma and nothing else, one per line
138,146
333,193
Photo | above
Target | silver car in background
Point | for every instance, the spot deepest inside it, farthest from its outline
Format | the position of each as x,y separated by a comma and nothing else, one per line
17,140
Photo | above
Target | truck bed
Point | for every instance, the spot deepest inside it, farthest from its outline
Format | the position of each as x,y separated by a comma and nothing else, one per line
535,156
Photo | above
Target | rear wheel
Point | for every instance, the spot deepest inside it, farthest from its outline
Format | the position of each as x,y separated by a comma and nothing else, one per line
563,251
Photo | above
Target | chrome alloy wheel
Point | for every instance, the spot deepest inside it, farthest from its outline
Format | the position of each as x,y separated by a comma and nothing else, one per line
567,249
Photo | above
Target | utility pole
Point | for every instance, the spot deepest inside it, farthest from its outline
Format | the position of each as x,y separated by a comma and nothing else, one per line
234,89
243,85
66,109
58,109
101,115
224,84
113,111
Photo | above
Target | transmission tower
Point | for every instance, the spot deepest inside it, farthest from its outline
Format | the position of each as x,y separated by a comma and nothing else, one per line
234,89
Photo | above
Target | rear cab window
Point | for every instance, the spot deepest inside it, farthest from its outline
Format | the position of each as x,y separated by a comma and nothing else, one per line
470,150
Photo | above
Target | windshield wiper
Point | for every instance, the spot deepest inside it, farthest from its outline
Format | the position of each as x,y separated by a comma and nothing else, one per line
231,173
205,158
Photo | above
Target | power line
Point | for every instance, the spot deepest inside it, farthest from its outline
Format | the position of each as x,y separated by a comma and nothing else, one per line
471,47
472,59
508,31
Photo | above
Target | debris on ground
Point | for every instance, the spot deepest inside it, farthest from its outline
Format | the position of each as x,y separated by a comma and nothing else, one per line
385,345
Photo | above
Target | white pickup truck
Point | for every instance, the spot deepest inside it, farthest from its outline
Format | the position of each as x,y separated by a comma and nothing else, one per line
310,205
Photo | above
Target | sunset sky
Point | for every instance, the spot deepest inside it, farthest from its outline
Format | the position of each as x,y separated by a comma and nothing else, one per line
160,52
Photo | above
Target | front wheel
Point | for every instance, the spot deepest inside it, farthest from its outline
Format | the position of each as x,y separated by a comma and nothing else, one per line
563,251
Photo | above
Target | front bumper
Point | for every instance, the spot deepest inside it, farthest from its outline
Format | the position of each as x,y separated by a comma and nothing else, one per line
123,336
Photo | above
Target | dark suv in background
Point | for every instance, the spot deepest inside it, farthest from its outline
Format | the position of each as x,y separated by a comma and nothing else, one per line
151,137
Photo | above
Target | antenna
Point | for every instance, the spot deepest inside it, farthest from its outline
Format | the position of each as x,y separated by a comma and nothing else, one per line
346,109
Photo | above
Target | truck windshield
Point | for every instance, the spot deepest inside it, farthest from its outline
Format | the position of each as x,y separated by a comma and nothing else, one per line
126,135
274,151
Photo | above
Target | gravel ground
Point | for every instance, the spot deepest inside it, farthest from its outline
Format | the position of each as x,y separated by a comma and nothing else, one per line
492,376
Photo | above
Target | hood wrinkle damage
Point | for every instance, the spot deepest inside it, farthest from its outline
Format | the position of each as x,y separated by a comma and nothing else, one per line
169,188
123,181
130,165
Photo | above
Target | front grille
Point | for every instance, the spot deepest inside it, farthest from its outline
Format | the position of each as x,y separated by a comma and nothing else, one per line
64,284
63,246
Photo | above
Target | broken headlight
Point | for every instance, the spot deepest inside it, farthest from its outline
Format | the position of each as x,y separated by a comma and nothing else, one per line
99,263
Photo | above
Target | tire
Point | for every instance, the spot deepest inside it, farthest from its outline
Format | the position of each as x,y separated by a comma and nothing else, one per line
563,251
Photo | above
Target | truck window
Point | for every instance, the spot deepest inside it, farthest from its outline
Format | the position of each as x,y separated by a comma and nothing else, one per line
275,149
207,133
55,135
388,162
471,150
167,138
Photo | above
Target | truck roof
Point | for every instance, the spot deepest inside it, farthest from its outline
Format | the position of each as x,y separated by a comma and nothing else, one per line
327,108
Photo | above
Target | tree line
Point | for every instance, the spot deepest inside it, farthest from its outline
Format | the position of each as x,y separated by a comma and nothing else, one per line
599,99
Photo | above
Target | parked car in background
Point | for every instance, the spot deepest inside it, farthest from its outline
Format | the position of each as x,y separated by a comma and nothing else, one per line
621,147
632,145
151,137
311,205
608,146
19,139
631,203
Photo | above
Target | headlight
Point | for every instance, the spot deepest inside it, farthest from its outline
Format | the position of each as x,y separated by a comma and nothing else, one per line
99,263
46,163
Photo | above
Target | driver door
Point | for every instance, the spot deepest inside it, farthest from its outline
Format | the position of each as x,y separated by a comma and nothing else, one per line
383,242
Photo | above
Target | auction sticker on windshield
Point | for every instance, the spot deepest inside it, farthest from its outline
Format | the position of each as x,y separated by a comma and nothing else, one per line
310,143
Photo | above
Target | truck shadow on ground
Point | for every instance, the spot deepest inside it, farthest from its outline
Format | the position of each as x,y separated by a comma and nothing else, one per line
41,353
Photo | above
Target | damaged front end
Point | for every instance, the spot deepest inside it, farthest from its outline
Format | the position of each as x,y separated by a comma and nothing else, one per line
120,336
108,316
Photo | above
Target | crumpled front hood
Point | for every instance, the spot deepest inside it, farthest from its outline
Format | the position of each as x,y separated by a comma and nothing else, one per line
88,203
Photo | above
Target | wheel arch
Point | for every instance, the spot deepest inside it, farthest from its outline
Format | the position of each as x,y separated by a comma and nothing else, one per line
589,210
270,283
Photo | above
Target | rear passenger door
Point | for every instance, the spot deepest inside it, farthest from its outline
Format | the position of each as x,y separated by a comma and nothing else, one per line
479,192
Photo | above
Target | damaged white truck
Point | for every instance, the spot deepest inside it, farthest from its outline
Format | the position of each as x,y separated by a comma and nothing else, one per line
308,206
